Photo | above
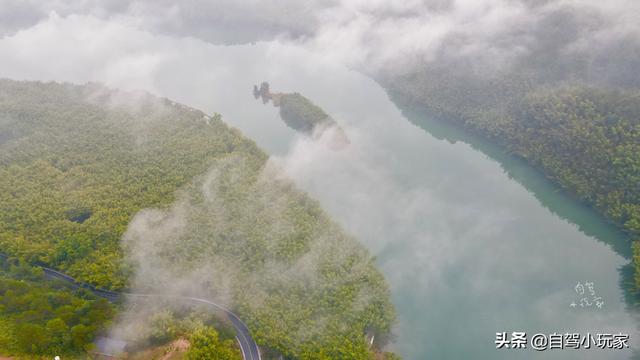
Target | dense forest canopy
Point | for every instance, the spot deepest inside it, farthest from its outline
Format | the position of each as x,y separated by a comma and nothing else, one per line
44,317
78,163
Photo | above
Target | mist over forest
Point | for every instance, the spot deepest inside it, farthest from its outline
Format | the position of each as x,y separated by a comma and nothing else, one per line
475,136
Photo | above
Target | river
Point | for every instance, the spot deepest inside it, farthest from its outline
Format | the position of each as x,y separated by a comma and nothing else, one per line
471,240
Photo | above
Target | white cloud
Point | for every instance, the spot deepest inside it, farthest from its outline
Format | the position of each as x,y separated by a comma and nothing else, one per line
370,34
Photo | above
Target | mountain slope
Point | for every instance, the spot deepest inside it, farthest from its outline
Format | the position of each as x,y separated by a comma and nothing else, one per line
81,167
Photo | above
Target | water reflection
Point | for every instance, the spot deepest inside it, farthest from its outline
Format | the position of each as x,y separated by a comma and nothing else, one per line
550,195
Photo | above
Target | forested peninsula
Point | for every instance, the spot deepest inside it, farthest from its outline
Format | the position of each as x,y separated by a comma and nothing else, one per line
302,115
125,190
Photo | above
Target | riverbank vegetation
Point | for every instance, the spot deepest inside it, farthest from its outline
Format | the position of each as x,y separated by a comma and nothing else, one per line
585,137
77,163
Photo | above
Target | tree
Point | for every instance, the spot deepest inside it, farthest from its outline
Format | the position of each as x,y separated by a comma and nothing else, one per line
58,333
206,345
81,335
32,338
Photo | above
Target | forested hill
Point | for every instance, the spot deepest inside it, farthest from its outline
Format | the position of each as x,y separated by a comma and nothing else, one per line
85,169
584,137
77,162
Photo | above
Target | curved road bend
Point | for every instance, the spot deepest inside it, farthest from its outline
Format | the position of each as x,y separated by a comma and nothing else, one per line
248,346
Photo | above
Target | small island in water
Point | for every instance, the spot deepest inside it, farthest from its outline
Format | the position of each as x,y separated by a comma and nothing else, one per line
302,115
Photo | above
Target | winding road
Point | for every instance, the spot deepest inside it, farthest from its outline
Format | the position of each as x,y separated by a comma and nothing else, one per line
248,346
